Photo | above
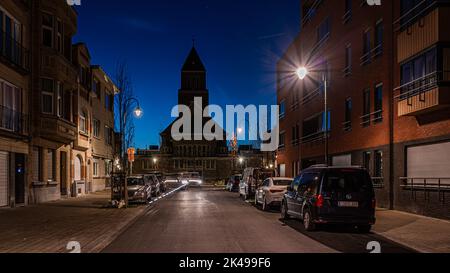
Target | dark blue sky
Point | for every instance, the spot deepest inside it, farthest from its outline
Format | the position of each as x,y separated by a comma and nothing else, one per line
239,42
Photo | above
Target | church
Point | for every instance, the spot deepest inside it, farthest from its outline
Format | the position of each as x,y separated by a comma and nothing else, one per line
209,158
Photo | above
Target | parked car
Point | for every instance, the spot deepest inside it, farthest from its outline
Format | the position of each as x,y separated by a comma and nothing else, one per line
271,192
233,183
332,195
192,179
139,188
173,181
161,179
156,185
251,179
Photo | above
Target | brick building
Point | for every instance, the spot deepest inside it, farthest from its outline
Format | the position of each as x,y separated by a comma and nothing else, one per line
361,50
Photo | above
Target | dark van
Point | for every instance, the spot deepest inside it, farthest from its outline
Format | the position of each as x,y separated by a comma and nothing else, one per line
331,195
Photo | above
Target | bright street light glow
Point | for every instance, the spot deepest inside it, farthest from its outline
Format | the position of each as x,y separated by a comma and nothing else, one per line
241,160
138,112
302,72
240,130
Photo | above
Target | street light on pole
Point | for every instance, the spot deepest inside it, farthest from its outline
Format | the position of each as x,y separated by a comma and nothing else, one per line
302,73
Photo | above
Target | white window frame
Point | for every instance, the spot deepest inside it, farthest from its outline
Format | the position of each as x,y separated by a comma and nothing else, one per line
96,124
48,93
51,29
82,126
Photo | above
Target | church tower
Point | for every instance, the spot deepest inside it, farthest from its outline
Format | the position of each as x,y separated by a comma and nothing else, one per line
193,81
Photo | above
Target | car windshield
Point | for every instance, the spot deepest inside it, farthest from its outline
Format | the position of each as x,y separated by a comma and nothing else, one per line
135,181
279,182
347,180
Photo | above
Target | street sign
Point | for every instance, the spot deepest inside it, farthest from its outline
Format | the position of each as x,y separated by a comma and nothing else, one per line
131,152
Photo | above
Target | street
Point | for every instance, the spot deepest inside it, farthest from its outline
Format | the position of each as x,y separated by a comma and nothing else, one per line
208,220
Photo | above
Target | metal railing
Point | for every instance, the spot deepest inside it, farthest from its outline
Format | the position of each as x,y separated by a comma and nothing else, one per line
309,96
366,58
313,137
441,185
14,52
420,85
412,15
378,182
13,121
347,126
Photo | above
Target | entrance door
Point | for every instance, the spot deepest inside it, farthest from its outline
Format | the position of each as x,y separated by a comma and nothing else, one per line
77,169
429,161
342,160
63,173
20,178
4,179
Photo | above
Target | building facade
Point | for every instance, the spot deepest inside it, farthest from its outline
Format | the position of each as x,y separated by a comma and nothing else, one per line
14,101
361,51
45,94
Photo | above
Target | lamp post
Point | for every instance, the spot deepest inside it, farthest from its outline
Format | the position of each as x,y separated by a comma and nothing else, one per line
302,73
138,112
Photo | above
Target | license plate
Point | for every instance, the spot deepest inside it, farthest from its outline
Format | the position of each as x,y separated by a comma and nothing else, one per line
348,204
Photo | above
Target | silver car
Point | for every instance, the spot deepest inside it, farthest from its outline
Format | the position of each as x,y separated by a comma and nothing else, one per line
139,188
272,191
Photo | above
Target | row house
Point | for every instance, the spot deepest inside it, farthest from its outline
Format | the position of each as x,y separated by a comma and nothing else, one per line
387,94
47,149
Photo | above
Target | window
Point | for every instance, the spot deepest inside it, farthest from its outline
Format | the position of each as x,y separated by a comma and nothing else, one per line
59,36
323,30
83,122
366,161
314,127
51,161
10,106
60,99
348,60
47,87
36,164
366,48
295,134
348,11
108,168
348,115
95,168
366,108
96,88
379,29
96,129
378,171
282,109
420,73
109,101
47,29
378,100
282,140
108,135
10,38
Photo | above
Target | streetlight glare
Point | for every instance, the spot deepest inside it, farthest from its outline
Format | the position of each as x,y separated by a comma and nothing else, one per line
240,130
302,72
138,112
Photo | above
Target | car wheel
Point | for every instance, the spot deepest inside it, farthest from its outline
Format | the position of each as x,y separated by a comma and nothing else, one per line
308,221
284,211
364,228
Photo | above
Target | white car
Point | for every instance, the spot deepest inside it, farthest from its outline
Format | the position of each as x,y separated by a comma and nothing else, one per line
272,191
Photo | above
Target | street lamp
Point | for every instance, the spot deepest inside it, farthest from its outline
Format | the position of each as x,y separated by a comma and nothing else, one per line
302,72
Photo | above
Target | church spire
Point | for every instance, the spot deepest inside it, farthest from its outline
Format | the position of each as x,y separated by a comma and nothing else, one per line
193,61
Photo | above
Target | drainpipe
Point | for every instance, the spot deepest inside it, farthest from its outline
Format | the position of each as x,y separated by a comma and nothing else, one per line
391,116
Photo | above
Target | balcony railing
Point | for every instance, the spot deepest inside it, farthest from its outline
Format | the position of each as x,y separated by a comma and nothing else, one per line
13,121
318,136
411,16
366,58
347,126
14,52
441,185
420,85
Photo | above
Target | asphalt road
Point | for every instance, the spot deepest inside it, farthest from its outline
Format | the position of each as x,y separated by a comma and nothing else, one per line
208,220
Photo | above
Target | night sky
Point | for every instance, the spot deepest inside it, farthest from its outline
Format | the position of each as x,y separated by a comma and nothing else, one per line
239,41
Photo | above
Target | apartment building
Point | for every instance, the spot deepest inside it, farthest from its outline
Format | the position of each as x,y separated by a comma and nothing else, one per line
383,112
14,102
103,151
147,160
421,104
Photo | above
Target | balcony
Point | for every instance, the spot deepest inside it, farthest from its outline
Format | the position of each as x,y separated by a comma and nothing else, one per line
420,28
423,95
13,122
82,142
13,53
57,129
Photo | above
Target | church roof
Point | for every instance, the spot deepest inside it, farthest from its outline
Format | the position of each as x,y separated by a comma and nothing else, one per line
193,62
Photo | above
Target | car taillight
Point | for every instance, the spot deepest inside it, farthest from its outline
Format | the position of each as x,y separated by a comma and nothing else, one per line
374,203
319,201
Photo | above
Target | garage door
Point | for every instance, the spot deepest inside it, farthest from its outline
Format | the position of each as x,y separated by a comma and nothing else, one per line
342,160
3,179
429,161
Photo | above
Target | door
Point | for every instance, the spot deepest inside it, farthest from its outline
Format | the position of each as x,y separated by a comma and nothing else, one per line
20,178
63,173
77,169
429,161
4,179
292,194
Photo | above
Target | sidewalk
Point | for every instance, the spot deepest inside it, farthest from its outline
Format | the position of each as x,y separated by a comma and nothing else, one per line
47,228
423,234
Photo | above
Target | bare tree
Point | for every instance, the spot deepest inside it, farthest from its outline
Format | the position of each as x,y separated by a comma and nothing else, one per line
124,108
